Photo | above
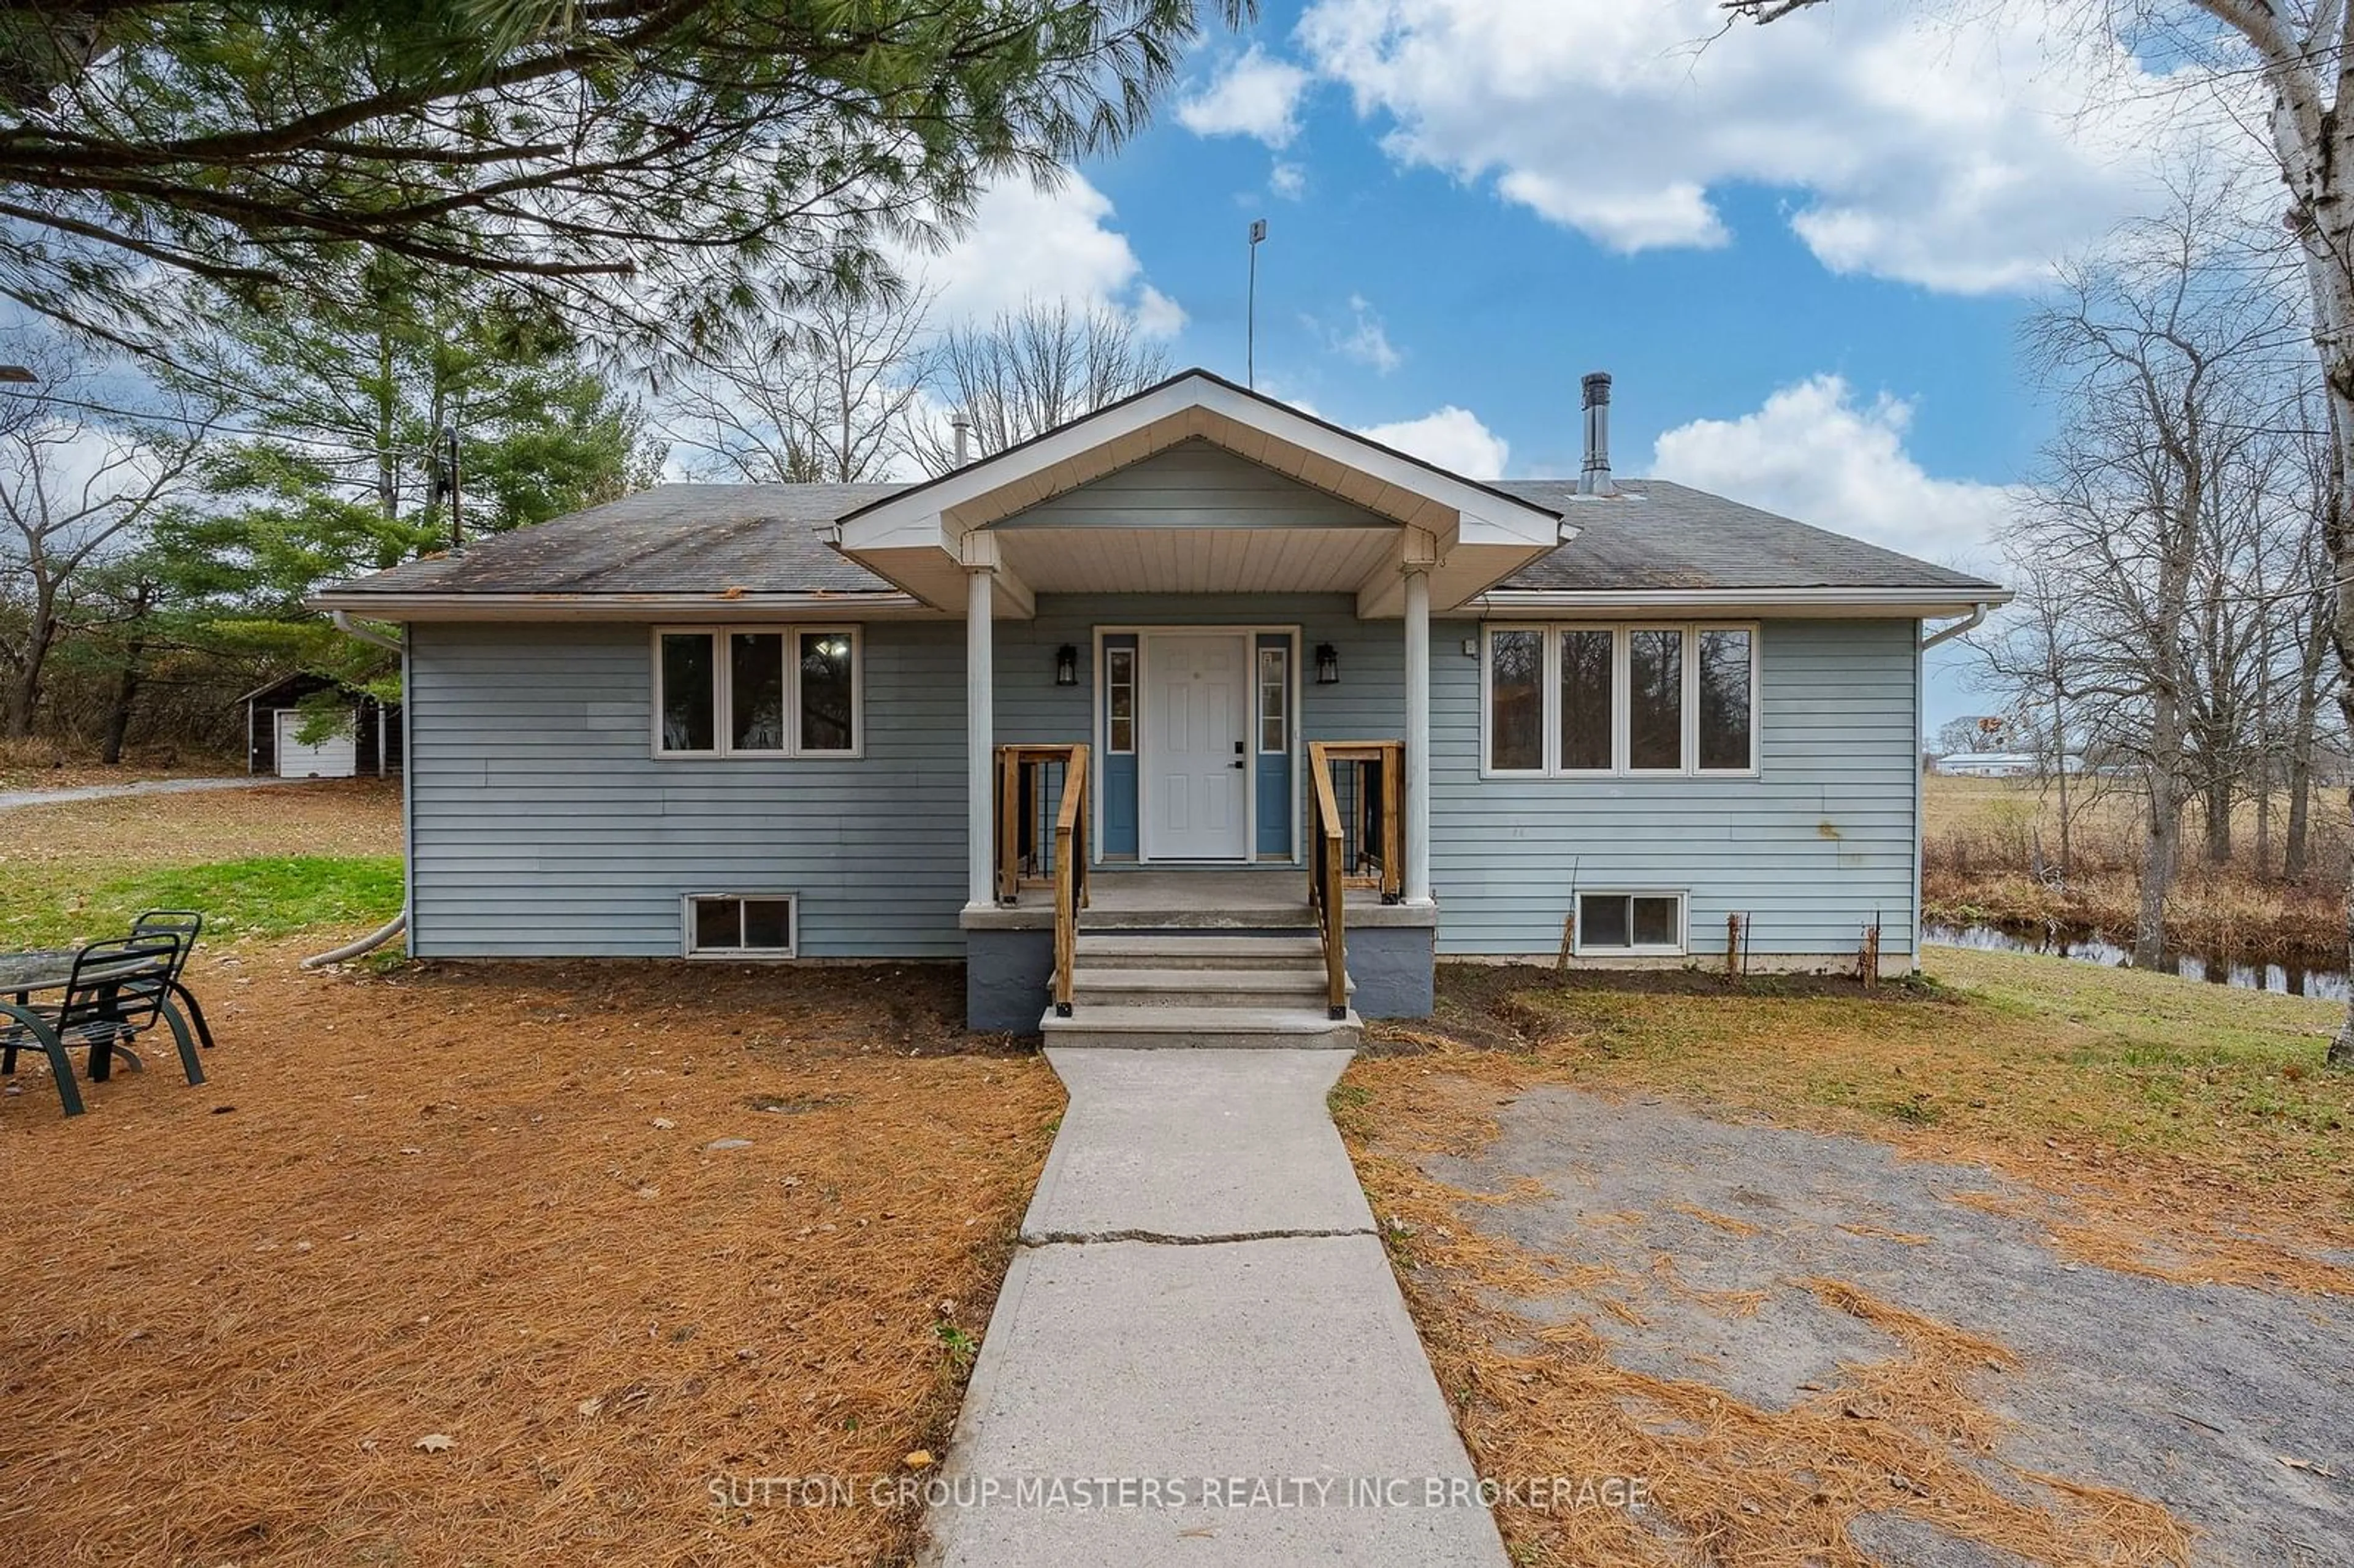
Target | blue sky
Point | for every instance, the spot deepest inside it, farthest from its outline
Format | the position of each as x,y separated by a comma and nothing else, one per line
1803,252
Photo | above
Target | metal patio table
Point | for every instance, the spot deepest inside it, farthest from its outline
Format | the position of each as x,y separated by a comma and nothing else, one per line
48,968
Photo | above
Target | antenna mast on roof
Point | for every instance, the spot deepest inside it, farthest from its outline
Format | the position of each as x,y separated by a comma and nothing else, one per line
446,484
1250,314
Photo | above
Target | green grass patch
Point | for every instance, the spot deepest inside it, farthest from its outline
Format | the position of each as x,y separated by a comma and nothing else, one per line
266,896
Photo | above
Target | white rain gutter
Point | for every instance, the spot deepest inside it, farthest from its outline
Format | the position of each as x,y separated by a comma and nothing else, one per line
1821,602
399,923
1970,622
698,607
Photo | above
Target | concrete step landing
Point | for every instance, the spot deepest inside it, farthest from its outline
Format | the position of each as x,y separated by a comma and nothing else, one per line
1189,951
1149,1028
1172,986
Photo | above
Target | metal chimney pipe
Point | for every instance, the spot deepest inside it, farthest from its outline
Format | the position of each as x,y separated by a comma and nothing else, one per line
963,429
1596,478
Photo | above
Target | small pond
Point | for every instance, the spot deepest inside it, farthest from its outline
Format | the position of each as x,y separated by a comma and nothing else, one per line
2091,947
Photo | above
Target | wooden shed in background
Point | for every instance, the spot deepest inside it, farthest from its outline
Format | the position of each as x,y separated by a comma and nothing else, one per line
369,744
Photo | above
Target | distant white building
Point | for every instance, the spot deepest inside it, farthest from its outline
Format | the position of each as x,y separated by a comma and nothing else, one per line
1999,765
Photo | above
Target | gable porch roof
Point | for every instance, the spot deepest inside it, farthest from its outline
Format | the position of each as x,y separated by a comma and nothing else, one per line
1468,536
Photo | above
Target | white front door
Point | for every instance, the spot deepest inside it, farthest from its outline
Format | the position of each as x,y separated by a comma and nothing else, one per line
1196,770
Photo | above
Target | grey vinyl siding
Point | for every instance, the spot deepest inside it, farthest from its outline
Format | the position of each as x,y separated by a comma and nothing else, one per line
1811,851
1195,485
542,826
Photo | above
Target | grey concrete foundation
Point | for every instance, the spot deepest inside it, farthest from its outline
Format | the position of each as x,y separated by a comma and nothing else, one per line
1006,973
1393,967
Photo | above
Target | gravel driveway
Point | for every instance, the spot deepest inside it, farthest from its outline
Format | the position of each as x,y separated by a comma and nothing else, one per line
10,799
2232,1406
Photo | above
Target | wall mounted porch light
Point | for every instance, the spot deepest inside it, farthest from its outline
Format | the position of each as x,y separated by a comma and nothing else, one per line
1328,664
1066,666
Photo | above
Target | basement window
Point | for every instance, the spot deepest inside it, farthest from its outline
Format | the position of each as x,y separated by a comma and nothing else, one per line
1630,924
742,925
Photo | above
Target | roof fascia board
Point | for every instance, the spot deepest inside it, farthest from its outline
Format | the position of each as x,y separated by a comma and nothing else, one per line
1908,602
623,607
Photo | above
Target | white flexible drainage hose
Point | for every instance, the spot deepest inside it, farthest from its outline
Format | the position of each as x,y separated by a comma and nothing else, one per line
399,923
369,943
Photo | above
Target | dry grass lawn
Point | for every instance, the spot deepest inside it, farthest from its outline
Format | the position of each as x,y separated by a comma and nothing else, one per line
441,1266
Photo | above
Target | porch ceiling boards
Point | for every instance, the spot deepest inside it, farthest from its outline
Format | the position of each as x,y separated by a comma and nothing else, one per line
1196,560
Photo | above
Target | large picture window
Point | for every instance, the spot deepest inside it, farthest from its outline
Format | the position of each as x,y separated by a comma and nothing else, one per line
1584,699
756,690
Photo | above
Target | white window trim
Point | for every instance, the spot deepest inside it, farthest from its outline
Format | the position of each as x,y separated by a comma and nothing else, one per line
1621,677
792,950
1133,653
1622,717
1681,947
1258,702
1552,740
1546,701
723,699
1692,698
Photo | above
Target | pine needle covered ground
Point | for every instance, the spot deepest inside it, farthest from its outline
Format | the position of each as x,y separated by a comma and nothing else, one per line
490,1264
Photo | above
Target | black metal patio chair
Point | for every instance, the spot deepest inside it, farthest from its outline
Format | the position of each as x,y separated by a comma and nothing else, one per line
186,925
118,991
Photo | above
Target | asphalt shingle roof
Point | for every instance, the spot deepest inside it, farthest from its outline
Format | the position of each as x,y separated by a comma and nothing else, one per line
672,539
1661,534
777,539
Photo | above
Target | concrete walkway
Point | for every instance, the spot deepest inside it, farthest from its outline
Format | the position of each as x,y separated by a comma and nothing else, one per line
10,799
1200,1356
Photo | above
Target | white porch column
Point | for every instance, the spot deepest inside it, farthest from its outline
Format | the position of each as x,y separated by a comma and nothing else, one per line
1417,733
981,738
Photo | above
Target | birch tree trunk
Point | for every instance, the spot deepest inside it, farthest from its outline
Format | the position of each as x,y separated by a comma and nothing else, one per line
2314,146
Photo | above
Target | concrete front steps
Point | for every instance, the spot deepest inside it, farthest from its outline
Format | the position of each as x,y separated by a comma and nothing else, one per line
1177,988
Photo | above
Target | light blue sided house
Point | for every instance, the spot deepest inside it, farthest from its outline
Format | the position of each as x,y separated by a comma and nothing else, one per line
1195,719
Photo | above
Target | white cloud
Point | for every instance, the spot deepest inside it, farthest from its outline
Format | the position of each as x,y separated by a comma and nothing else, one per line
1963,158
1158,315
1818,453
1256,95
1363,339
1452,438
1289,181
1027,243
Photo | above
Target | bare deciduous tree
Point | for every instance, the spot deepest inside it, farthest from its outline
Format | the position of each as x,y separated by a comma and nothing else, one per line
1030,370
74,486
830,397
2168,361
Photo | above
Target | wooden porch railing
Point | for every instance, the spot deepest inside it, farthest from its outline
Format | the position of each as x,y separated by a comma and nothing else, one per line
1368,779
1041,840
1355,844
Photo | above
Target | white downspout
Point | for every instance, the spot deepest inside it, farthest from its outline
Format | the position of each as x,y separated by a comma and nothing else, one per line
350,627
399,923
